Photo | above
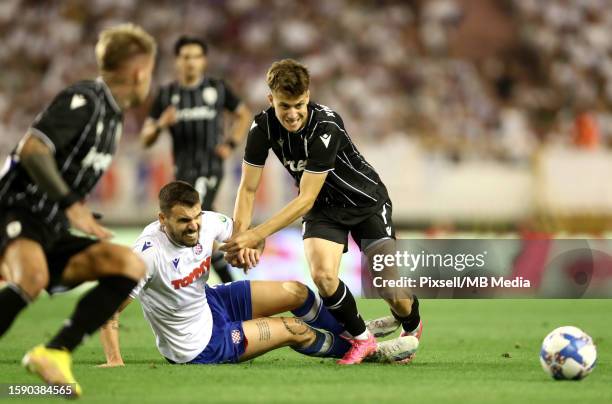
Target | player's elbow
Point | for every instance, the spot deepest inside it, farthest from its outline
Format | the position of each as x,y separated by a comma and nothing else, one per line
307,202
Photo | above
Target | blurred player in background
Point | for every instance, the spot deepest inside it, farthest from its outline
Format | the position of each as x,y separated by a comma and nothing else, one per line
42,190
339,192
197,324
192,109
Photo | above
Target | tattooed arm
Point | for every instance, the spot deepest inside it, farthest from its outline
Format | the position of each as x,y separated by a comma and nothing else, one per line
109,337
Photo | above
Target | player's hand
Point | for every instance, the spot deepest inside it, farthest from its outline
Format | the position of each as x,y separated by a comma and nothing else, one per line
247,239
168,117
82,219
223,150
246,259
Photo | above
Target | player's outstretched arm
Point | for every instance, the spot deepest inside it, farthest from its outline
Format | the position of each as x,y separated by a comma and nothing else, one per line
152,128
310,186
109,337
38,160
243,210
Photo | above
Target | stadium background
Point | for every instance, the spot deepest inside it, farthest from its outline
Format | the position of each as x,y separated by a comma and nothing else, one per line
484,118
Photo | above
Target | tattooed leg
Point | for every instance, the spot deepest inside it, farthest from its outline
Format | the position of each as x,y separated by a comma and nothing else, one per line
267,333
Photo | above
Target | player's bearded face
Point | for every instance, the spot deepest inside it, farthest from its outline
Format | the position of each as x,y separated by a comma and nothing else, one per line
183,224
191,62
291,112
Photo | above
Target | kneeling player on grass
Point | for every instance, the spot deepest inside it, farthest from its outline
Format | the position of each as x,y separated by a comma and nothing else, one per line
197,324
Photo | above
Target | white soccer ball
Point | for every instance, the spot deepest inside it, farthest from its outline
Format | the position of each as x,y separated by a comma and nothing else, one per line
568,353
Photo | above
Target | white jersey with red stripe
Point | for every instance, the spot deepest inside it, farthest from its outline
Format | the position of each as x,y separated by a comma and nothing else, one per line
172,294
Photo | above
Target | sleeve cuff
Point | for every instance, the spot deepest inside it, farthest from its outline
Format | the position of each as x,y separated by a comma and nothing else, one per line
44,138
319,172
252,164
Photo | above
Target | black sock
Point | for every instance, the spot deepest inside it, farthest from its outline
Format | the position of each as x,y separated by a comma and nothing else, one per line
412,320
221,267
12,301
93,310
341,304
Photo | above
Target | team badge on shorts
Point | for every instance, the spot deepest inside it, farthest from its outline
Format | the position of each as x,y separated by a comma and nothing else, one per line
13,229
236,337
197,250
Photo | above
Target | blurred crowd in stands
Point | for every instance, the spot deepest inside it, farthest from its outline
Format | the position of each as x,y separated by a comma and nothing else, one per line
468,79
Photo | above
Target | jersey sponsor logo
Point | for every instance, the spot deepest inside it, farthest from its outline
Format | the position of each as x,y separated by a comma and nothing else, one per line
98,161
195,274
146,246
196,113
293,166
77,101
175,262
210,95
325,139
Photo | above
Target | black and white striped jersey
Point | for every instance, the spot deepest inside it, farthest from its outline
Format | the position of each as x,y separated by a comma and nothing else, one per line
323,145
82,127
199,128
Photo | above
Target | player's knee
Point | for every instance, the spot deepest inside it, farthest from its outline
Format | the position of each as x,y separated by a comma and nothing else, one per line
116,260
297,292
326,281
33,280
132,266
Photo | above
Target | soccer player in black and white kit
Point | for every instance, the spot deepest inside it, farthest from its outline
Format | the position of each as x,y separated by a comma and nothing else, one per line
339,192
192,109
42,189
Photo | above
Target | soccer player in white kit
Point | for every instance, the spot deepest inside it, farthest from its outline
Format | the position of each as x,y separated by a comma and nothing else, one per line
198,324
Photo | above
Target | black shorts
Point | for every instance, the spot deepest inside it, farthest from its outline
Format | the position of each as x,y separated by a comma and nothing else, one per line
377,226
206,185
58,246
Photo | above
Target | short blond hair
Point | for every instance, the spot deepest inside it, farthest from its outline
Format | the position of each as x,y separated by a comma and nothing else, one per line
117,45
288,76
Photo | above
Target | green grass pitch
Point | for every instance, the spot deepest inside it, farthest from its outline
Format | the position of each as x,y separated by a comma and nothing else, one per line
475,351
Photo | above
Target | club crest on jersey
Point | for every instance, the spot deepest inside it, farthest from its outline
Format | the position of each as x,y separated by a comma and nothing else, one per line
175,99
146,246
193,276
209,95
175,263
197,250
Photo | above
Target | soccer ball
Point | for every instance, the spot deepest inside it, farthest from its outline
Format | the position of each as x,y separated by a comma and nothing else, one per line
568,353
